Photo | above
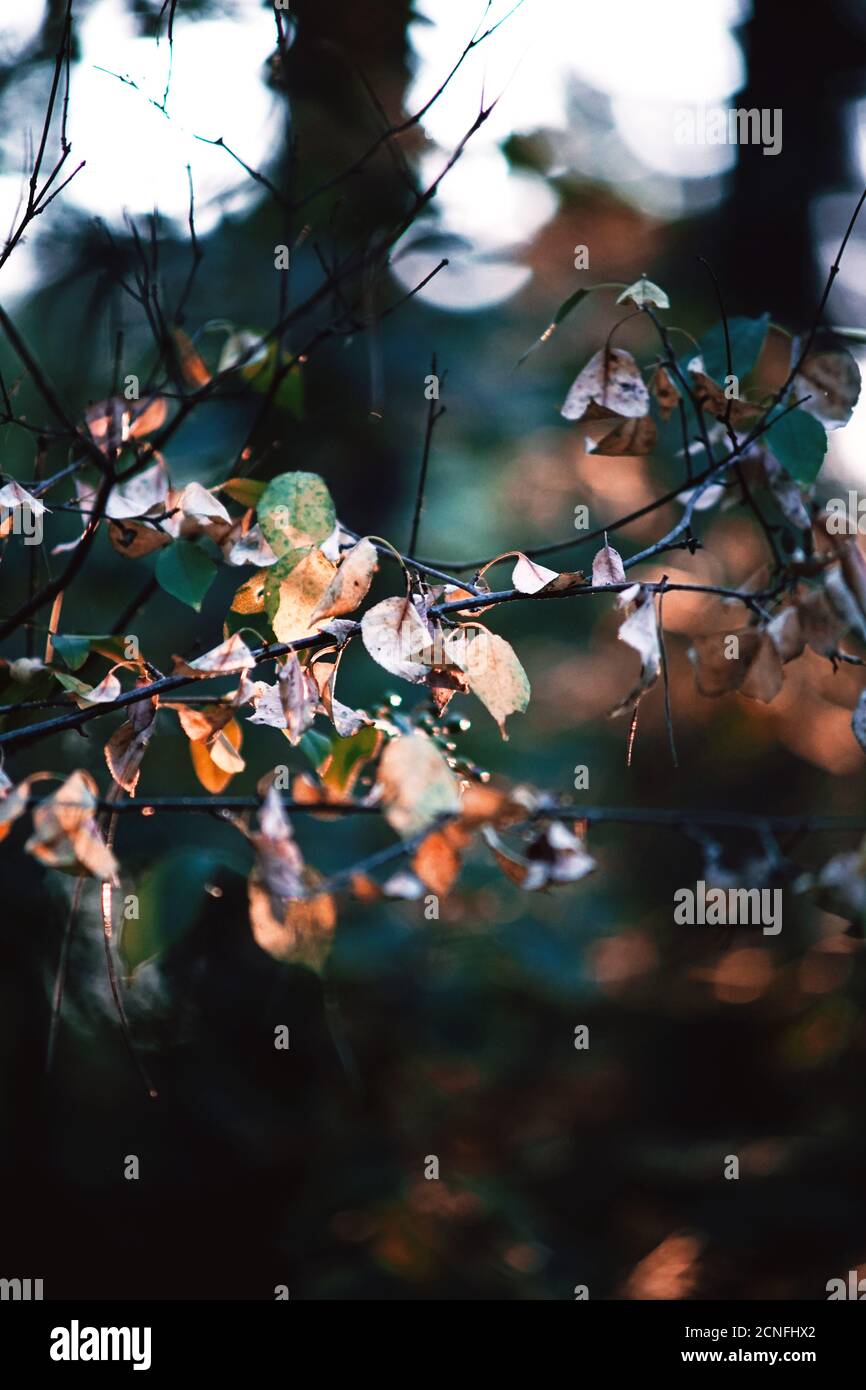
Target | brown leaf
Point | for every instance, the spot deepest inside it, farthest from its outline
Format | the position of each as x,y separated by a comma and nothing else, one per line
415,783
290,703
607,567
351,582
555,855
438,859
711,398
610,384
756,671
230,656
250,597
493,671
397,637
831,379
640,631
128,744
630,438
66,833
13,803
215,775
302,934
666,393
300,594
135,538
528,577
194,370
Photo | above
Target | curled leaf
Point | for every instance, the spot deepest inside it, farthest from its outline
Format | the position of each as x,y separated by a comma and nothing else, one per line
610,384
230,656
351,582
529,577
66,834
640,631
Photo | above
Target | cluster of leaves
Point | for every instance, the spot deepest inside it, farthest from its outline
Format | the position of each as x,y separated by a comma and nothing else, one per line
310,576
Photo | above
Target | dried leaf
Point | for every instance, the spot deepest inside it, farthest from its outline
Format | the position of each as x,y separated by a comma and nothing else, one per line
128,744
630,438
416,784
66,833
607,567
84,695
300,593
217,762
529,577
666,393
756,671
290,703
288,918
13,803
831,380
249,549
302,934
13,495
438,859
250,597
194,370
230,656
610,384
640,631
555,855
396,636
494,673
351,582
135,538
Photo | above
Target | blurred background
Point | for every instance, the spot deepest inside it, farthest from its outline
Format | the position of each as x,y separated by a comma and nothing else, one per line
558,1167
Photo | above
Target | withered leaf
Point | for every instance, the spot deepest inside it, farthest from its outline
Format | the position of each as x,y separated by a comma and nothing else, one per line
528,576
396,636
630,438
351,583
230,656
215,762
299,595
493,671
610,384
66,833
666,393
127,746
640,631
415,783
607,567
831,380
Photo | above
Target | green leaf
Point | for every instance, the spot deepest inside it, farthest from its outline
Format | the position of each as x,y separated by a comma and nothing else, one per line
296,512
799,442
72,683
644,292
74,650
170,897
347,758
315,747
185,572
747,339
